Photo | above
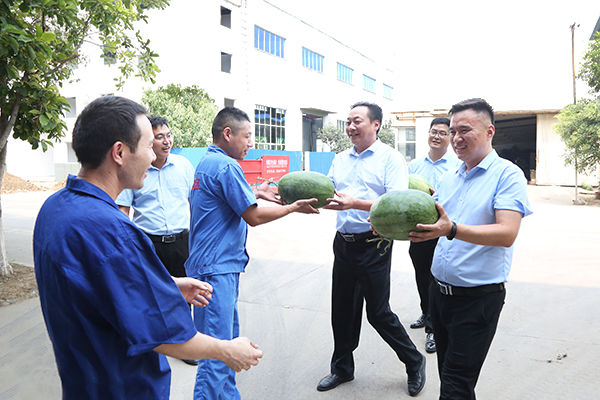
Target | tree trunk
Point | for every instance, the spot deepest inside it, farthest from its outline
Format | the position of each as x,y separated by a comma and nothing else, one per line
5,268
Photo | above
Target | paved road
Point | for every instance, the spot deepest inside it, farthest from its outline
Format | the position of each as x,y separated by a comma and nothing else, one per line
551,311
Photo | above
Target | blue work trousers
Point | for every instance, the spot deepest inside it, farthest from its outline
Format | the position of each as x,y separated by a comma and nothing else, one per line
215,380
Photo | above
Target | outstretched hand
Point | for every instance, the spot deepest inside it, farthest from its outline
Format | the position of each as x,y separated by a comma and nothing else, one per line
341,202
194,291
264,191
442,227
304,206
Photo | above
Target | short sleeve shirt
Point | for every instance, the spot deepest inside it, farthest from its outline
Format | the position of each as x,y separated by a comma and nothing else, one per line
218,233
106,298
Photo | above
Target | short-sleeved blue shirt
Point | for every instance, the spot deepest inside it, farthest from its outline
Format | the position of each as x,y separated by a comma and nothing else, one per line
106,298
217,231
473,198
161,207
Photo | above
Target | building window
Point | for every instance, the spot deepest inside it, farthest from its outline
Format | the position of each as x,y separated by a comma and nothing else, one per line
341,125
344,73
312,60
368,83
229,102
269,128
109,55
406,141
387,91
72,113
268,42
225,62
225,17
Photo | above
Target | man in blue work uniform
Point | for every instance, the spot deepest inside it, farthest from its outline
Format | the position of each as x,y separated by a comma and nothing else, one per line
111,308
481,204
431,166
360,272
222,206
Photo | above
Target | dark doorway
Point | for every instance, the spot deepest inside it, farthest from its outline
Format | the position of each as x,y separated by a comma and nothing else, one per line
310,126
515,140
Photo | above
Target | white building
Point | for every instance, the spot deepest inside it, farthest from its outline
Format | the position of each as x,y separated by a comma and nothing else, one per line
290,76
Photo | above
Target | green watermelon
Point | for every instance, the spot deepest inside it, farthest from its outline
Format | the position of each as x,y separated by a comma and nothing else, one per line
306,185
418,182
396,213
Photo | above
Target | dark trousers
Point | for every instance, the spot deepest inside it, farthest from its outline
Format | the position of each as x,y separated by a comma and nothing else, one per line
173,255
362,274
464,328
421,255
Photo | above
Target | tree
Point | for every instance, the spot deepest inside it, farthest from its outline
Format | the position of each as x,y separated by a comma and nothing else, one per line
190,112
590,66
40,45
387,135
335,138
579,128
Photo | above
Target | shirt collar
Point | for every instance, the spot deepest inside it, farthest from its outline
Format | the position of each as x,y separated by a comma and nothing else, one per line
167,162
371,149
216,149
445,157
483,164
82,186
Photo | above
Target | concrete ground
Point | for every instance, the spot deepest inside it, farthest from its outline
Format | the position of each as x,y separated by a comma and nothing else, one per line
546,346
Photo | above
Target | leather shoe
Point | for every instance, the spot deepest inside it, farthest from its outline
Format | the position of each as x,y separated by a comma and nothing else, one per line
332,381
418,323
416,380
190,362
430,346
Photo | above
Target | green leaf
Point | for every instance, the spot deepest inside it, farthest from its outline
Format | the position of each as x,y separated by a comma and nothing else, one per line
47,37
43,120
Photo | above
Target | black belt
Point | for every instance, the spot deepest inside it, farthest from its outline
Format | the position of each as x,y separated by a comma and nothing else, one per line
475,291
356,237
167,238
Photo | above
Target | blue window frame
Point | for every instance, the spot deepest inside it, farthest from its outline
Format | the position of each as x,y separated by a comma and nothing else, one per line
312,60
387,91
344,73
269,42
368,83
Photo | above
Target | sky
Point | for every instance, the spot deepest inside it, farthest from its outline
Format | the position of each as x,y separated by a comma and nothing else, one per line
515,54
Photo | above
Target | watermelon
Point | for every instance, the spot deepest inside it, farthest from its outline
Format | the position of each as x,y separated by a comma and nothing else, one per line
419,183
306,185
396,213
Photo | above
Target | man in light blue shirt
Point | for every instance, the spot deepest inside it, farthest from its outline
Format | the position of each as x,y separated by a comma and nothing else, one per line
431,166
481,205
361,273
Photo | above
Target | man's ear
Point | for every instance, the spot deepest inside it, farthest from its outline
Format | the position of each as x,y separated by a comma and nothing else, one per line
118,152
227,134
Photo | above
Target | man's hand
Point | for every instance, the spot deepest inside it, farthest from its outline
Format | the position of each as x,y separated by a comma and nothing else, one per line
303,206
194,291
442,227
241,354
341,202
264,191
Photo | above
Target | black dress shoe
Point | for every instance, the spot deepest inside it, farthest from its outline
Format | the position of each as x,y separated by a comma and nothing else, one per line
332,381
430,346
416,381
190,362
418,323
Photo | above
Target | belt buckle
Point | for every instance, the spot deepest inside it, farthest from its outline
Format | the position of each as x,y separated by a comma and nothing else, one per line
348,238
169,239
445,289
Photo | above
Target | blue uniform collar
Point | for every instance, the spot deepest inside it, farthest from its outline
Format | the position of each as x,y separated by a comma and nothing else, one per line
483,164
82,186
371,149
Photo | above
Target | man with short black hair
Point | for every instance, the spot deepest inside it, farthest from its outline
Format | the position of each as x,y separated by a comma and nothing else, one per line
431,166
222,207
111,308
361,273
481,204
